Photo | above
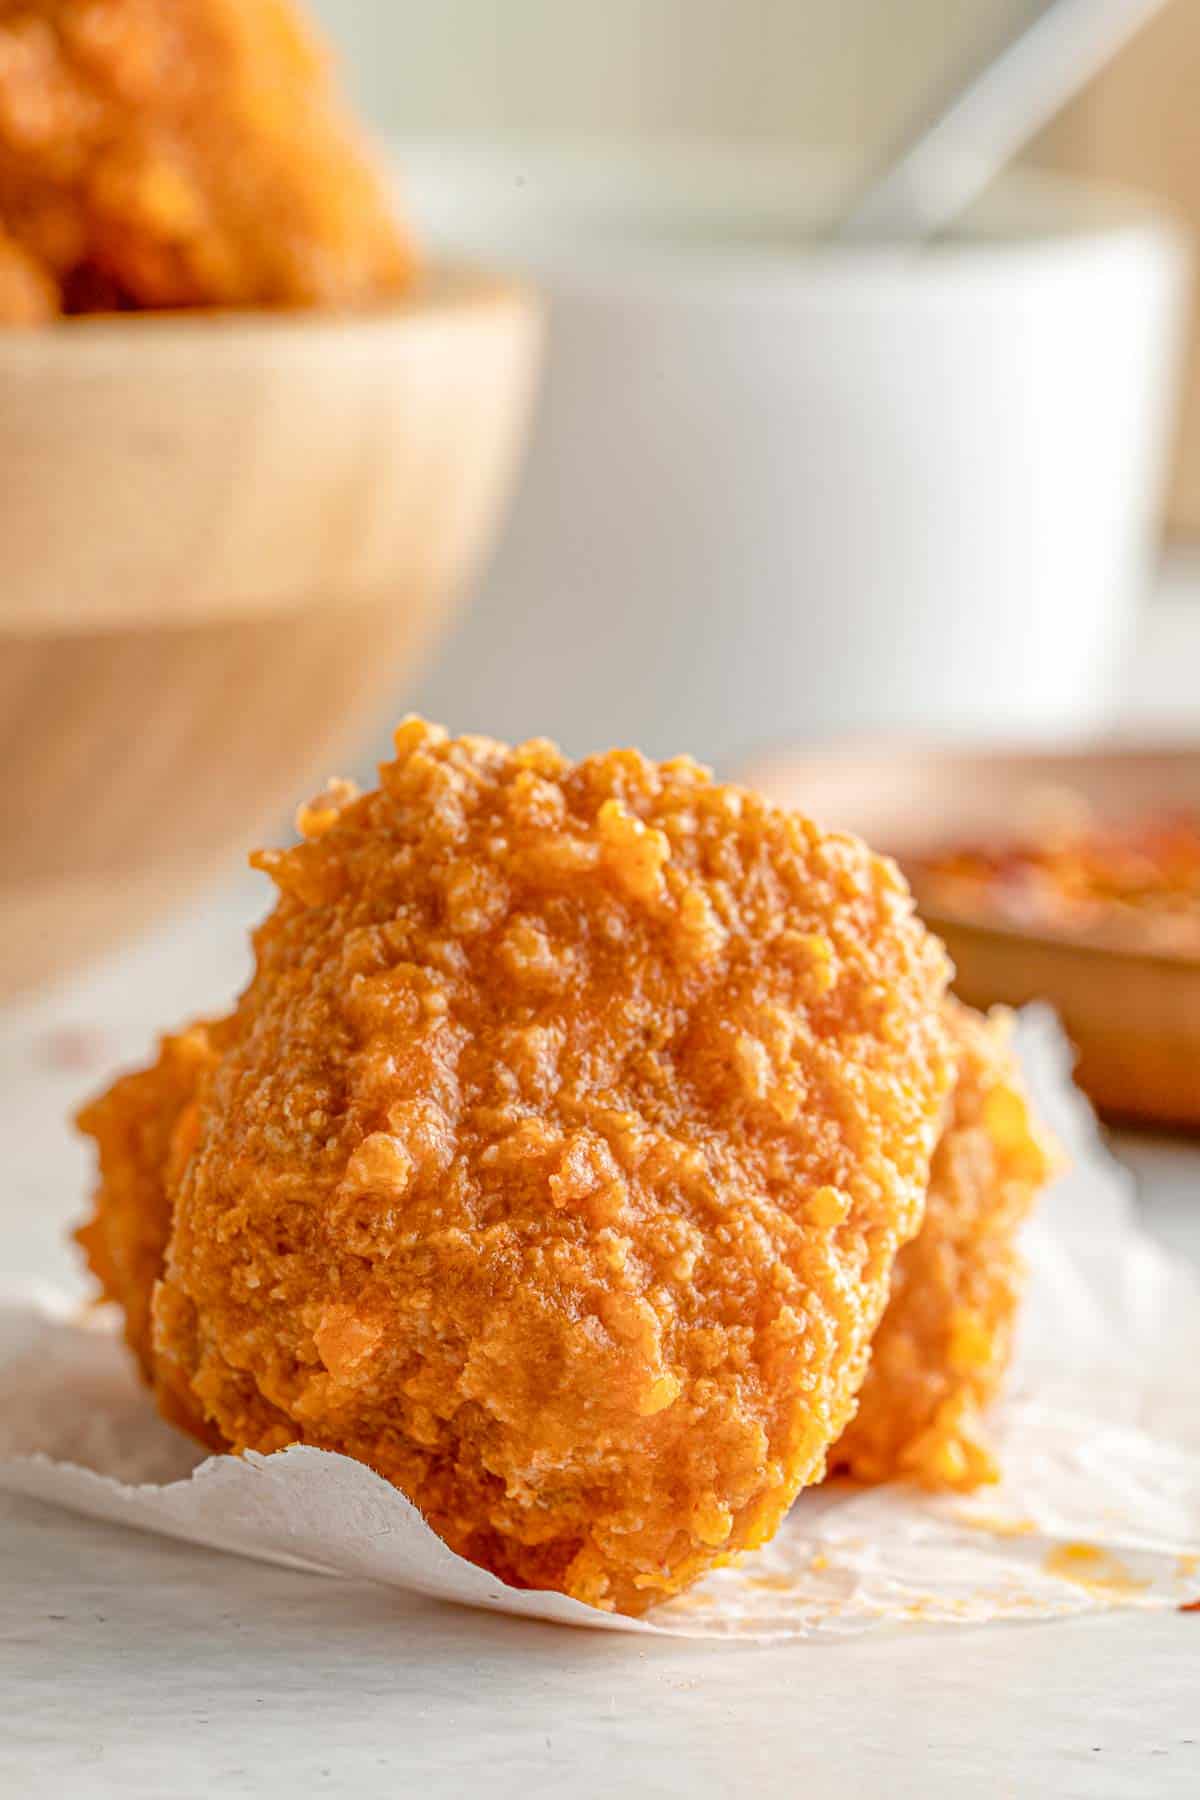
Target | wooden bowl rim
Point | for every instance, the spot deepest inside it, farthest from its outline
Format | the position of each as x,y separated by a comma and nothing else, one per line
1094,945
1127,747
855,748
446,290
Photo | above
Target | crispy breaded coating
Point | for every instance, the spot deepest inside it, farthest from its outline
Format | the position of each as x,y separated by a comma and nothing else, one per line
558,1157
944,1345
143,1127
170,153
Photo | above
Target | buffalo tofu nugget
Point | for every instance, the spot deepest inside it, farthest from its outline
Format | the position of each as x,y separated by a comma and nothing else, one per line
556,1158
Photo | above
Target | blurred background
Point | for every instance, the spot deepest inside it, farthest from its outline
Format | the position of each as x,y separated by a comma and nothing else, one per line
1017,459
790,72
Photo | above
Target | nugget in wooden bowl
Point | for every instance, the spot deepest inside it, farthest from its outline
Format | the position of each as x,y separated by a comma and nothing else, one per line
249,448
183,153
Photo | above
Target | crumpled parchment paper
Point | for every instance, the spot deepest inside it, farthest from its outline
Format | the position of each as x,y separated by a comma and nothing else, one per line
1099,1438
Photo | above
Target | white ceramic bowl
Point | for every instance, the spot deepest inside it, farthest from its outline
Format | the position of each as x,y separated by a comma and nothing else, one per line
782,487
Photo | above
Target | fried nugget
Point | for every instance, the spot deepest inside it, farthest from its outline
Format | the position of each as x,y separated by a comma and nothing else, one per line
144,1128
945,1342
172,153
557,1157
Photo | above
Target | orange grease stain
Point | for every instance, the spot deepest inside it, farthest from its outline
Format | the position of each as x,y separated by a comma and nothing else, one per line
1087,1566
999,1527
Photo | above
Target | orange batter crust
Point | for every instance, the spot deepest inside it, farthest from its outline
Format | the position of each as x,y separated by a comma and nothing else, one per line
168,153
144,1129
944,1345
557,1157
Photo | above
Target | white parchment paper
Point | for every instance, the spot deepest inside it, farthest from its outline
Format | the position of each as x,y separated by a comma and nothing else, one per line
1099,1439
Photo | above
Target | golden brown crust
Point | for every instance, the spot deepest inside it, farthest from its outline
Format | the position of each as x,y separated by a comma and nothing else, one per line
168,153
143,1128
942,1347
558,1157
945,1341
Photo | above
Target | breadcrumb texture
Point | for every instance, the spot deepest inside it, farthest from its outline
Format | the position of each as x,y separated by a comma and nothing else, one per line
144,1128
182,153
554,1163
945,1342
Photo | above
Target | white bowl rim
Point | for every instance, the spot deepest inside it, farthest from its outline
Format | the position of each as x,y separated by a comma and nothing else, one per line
601,185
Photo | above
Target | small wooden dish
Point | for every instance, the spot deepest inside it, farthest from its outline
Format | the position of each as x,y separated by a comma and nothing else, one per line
223,538
1133,1014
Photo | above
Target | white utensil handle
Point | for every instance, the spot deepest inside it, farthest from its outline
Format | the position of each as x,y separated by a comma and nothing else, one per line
949,161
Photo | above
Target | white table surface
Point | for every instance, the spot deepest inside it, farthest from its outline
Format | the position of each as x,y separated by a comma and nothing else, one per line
132,1666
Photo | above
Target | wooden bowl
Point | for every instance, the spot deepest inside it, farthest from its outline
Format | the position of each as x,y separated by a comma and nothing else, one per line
1133,1014
223,538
